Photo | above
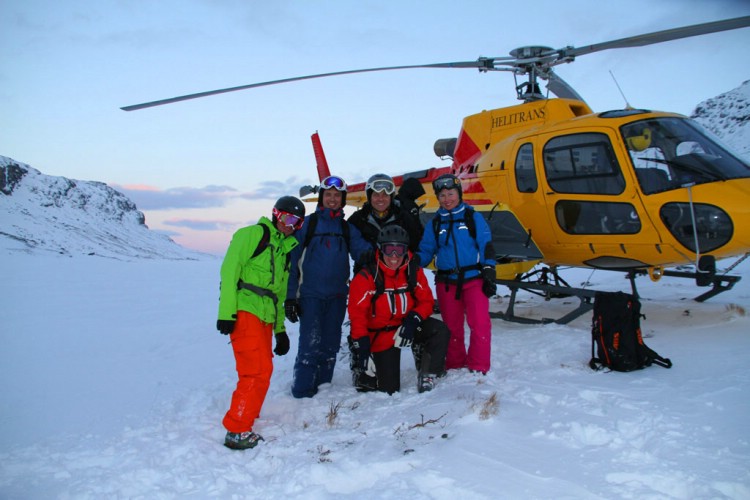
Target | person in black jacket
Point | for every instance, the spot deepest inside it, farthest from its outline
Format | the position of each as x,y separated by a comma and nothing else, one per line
383,209
411,189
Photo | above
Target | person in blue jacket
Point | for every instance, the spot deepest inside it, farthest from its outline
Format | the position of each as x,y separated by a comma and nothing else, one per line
460,241
319,285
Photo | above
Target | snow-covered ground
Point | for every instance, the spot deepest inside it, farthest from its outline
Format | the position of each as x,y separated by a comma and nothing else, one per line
114,382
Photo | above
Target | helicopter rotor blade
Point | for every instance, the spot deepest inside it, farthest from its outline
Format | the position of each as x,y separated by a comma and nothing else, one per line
659,36
560,87
525,60
483,64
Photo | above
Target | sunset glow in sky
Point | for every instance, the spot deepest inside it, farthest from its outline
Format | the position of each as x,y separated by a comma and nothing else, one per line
201,169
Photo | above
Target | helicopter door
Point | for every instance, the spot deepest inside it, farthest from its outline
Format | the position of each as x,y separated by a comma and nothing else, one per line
528,197
590,203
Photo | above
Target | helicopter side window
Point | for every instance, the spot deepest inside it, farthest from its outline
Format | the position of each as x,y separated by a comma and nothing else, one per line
593,217
526,180
582,164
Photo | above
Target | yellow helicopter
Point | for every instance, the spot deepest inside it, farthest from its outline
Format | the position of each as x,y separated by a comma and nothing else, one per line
630,190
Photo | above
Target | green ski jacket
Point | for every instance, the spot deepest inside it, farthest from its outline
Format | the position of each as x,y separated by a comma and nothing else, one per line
256,285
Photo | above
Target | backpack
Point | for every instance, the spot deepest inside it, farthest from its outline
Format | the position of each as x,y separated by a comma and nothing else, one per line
411,279
468,219
263,243
265,239
313,218
616,333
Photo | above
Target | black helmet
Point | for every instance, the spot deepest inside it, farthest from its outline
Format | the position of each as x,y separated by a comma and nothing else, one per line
332,182
290,205
447,181
393,233
378,183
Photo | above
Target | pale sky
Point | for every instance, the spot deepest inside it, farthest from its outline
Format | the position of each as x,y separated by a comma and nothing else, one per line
201,169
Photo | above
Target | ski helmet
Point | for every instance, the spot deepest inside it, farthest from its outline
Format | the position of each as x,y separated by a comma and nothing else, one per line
378,183
393,233
448,181
290,205
332,182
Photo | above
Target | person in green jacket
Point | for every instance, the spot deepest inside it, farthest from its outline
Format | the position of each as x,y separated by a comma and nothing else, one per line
254,278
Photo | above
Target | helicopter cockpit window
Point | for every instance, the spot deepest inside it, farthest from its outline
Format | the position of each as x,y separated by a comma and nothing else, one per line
670,153
526,180
582,164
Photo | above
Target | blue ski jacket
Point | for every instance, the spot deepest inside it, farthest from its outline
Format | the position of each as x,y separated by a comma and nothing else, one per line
454,247
322,268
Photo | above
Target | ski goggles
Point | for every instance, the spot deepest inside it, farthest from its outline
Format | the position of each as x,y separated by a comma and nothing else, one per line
445,183
334,182
288,219
382,185
393,249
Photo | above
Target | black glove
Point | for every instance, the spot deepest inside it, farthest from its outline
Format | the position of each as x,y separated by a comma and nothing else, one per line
489,286
282,344
225,326
405,334
361,353
292,310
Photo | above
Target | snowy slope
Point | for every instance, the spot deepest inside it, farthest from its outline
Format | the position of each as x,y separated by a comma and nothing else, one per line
119,391
43,214
114,382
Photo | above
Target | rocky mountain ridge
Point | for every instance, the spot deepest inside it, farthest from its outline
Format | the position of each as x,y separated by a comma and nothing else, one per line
50,214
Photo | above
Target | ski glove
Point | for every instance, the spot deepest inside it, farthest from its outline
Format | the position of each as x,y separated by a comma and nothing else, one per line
405,334
363,361
489,286
282,344
292,310
225,326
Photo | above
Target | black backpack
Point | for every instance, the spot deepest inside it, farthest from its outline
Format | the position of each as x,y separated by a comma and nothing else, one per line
616,333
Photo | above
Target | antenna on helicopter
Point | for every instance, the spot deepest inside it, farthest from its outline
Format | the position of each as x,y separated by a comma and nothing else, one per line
627,104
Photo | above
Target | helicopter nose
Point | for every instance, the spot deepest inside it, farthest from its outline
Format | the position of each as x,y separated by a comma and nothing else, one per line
718,221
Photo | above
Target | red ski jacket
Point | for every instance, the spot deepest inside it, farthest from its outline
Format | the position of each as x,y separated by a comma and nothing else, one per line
381,319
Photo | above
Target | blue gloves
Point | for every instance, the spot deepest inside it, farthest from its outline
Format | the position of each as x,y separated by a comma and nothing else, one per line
363,361
405,334
292,310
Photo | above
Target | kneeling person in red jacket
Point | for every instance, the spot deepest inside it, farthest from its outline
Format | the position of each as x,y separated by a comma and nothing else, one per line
390,304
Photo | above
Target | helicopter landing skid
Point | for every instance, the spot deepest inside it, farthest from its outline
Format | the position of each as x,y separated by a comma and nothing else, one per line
719,283
559,288
550,286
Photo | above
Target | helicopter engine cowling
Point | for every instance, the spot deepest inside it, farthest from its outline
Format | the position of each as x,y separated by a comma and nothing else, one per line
445,147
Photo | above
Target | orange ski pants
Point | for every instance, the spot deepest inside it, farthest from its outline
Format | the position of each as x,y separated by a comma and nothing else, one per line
252,346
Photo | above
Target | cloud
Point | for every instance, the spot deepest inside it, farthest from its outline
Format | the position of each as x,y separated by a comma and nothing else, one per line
150,198
201,225
273,190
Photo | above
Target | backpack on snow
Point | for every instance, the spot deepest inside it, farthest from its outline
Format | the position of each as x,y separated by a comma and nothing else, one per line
616,333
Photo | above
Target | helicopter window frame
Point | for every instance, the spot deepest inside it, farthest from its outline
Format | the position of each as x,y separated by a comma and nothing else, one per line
583,163
525,169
